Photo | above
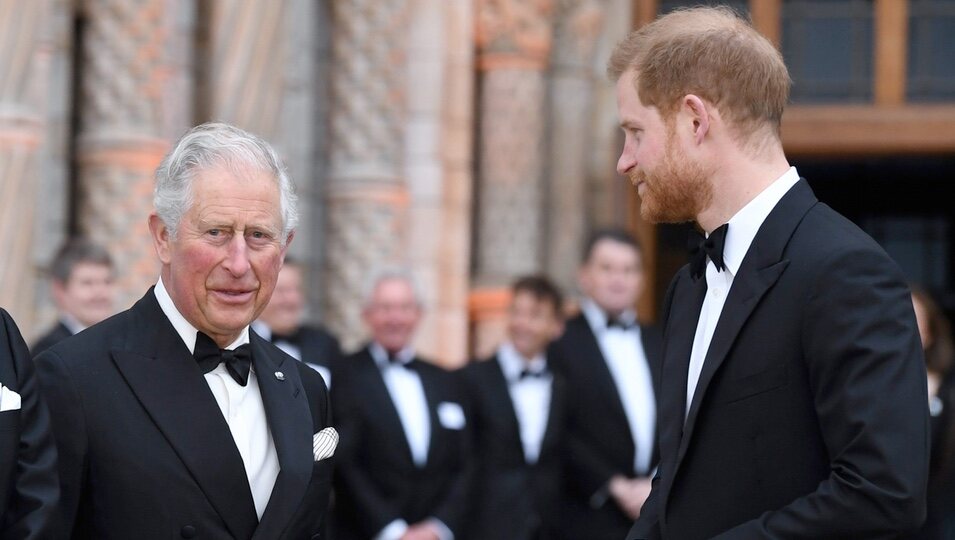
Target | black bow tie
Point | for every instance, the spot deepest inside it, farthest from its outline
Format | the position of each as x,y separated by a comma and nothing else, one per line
237,362
617,322
710,246
396,360
529,373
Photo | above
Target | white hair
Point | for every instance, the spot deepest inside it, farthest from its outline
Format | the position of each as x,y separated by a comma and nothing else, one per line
392,273
210,145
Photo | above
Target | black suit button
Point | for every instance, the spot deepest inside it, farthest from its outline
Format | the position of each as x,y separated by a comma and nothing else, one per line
188,531
317,536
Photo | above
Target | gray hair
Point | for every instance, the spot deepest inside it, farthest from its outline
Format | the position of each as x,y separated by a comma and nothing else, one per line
396,273
74,252
217,144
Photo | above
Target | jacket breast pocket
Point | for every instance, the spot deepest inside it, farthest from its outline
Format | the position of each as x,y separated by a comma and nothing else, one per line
755,384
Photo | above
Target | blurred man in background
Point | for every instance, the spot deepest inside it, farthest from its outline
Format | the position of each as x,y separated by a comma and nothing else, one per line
401,465
517,406
611,361
83,287
283,323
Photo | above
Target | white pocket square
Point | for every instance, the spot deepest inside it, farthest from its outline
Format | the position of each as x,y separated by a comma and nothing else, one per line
9,400
324,443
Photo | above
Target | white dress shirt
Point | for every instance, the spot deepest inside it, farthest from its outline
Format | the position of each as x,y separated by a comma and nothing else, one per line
292,350
241,407
407,394
627,362
530,395
742,230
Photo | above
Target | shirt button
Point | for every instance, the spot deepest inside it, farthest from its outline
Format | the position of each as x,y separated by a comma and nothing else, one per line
188,531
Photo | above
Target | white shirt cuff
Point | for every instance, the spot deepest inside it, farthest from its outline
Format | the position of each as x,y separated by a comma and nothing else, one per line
393,530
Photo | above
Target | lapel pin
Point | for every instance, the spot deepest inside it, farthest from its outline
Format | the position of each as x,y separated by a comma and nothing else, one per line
279,375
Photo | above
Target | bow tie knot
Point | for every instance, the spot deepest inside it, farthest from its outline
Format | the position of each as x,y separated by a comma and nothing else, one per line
238,362
711,246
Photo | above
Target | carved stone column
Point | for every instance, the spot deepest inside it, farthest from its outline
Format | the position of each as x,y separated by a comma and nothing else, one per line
514,41
578,26
122,137
22,70
366,193
439,170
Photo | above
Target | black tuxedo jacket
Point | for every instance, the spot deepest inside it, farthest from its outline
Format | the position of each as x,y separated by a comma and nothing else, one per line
318,346
56,334
512,498
145,451
29,487
376,479
599,442
810,417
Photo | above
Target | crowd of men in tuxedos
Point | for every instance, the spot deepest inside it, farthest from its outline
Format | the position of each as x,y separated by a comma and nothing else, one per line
784,397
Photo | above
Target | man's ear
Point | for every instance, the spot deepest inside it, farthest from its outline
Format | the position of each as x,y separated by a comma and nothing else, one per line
699,114
160,235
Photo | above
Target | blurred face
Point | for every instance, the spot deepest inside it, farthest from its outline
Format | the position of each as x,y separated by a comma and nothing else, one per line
221,268
612,276
672,187
532,324
89,293
392,314
284,311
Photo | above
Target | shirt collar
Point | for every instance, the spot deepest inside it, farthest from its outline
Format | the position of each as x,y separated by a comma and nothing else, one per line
71,323
746,223
183,327
380,355
512,363
597,317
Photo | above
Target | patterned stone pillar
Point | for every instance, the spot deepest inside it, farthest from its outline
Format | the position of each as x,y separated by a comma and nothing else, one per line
578,26
22,68
366,193
121,138
439,170
514,41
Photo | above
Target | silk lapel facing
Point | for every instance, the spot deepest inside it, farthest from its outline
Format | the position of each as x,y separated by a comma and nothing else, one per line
168,383
761,268
291,426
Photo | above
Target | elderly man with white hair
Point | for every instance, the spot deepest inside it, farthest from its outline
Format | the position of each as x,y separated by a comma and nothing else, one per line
172,419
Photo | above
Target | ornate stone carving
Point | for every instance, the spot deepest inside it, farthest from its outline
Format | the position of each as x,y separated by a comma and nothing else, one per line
21,71
366,193
515,30
121,131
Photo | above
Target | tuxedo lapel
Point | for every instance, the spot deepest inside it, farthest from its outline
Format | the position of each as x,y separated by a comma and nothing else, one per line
435,443
590,348
761,268
684,313
169,384
388,419
500,397
291,426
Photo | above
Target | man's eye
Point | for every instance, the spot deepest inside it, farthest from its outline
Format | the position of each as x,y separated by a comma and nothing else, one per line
214,232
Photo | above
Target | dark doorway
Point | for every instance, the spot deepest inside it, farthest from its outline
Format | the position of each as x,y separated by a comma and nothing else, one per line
902,202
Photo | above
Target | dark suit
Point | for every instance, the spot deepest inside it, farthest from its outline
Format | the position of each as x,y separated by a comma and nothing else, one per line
809,419
599,442
58,333
29,487
317,347
513,499
376,479
145,451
